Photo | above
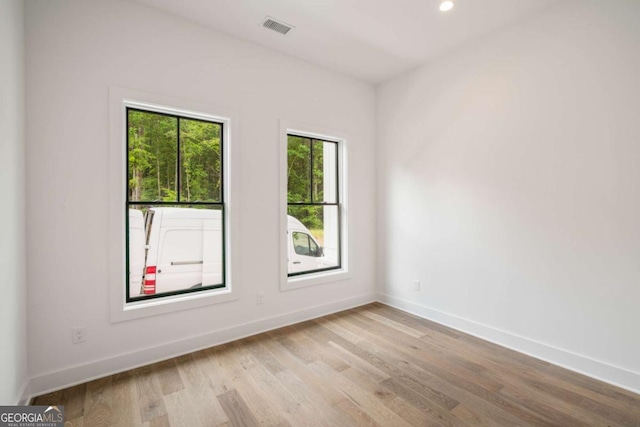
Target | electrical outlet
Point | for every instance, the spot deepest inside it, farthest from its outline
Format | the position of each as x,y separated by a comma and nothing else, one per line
78,335
416,285
259,298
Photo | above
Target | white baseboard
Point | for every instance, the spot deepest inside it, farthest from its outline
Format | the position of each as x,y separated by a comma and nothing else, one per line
584,365
24,394
78,374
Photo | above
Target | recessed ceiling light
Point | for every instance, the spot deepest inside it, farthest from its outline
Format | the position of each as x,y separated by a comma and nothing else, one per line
446,5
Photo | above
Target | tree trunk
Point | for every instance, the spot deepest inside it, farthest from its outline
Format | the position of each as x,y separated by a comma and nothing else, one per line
158,169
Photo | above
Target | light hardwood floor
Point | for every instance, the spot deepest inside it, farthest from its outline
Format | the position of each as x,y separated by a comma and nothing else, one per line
372,365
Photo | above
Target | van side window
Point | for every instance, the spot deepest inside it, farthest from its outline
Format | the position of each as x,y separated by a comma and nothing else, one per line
303,244
175,203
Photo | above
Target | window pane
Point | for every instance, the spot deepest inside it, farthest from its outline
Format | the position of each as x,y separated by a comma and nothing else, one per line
201,172
174,248
151,156
299,169
323,251
325,172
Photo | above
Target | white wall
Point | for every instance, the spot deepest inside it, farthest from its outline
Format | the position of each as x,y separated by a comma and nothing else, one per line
13,313
76,50
509,185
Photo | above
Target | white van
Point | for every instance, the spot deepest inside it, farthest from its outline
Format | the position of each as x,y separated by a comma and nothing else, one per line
183,249
303,250
136,251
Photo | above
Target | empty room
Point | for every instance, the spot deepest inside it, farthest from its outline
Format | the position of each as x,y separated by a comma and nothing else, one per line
320,213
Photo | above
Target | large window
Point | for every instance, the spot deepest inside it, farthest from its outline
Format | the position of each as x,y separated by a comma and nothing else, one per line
175,206
313,206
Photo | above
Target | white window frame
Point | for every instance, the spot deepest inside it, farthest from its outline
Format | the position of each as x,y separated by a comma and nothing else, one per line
314,278
119,100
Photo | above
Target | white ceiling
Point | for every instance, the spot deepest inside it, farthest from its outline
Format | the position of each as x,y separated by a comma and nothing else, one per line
372,40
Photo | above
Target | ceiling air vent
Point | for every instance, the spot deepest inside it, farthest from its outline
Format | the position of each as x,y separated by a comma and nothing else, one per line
277,26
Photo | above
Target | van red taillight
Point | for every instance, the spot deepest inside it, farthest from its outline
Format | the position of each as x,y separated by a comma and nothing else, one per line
149,285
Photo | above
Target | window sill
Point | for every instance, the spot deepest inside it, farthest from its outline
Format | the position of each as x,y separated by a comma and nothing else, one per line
312,279
154,307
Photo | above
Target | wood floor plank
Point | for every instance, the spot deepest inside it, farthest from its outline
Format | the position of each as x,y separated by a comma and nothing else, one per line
320,385
317,410
512,373
267,359
415,347
368,383
74,422
168,376
98,401
553,409
414,321
124,401
391,365
438,333
317,334
489,412
245,385
367,349
608,412
404,329
360,396
206,407
237,410
413,415
282,400
357,415
162,421
424,404
312,390
216,371
181,410
472,418
372,366
320,352
74,401
149,394
469,380
53,398
558,415
416,363
615,397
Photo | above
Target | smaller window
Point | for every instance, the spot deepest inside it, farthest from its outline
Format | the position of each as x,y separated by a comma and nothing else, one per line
314,206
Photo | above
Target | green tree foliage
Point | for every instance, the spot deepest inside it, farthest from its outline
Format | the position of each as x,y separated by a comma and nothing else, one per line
200,153
153,162
152,156
299,169
301,187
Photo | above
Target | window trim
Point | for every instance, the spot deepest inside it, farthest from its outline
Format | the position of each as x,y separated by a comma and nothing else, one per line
311,202
120,99
325,275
